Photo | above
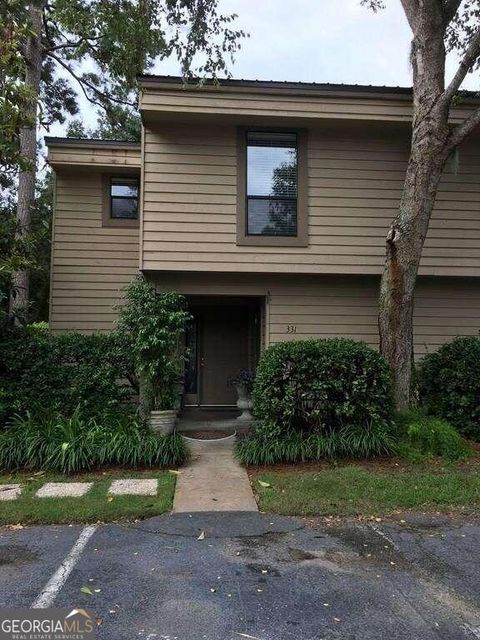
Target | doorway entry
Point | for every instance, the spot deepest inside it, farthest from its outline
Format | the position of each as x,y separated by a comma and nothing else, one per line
223,338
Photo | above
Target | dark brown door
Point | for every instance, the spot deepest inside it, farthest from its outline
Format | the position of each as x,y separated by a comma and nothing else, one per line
223,352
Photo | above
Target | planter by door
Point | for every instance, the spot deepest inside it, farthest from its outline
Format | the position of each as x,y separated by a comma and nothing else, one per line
163,421
244,403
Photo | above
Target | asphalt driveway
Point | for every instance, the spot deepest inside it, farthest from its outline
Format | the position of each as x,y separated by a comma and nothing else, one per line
253,576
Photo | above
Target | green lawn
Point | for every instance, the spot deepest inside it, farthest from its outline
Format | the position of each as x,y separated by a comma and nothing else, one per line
355,490
94,506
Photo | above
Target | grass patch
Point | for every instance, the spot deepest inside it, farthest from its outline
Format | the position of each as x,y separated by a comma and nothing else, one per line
354,490
92,507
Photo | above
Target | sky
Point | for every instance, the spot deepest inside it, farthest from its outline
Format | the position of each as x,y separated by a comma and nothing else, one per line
336,41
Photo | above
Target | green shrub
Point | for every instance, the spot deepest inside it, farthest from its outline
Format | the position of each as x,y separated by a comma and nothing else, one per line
449,384
152,325
322,386
62,371
422,437
262,447
53,442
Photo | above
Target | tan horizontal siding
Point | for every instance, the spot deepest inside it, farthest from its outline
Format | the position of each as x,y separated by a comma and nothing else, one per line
91,264
175,102
63,155
331,306
355,184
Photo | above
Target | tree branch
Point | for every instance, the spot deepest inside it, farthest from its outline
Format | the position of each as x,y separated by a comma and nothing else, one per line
411,11
85,83
469,59
463,130
450,8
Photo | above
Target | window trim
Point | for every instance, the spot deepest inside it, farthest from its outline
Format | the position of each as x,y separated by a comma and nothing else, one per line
107,220
301,239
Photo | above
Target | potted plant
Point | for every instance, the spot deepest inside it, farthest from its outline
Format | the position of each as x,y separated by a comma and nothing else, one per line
165,400
243,382
153,324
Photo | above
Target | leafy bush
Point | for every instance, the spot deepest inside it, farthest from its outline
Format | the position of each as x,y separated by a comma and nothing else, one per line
54,442
151,325
318,399
322,385
423,437
62,371
449,384
295,446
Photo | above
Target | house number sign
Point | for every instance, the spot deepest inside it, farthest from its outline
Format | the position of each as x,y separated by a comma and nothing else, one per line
291,328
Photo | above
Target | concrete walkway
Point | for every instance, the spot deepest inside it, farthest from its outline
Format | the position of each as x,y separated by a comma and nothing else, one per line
213,481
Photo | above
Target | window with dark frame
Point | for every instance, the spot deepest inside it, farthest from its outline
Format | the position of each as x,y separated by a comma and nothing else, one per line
124,198
272,183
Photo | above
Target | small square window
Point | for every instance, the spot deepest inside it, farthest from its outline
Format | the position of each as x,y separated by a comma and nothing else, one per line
124,198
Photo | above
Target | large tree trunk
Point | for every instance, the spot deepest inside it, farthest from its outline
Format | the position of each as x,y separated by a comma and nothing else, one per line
403,250
19,298
407,233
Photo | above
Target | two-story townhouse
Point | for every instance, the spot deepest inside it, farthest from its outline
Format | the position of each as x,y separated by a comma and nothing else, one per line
267,205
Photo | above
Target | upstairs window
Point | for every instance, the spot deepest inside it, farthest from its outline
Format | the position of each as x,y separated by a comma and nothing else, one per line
272,184
124,198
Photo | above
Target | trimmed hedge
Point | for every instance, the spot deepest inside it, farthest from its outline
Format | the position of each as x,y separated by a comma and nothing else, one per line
61,372
317,399
449,384
322,385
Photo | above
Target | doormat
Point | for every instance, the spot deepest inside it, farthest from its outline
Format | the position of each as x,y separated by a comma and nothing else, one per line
217,434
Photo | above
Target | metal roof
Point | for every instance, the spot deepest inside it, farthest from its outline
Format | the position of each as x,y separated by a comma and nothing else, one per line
88,142
285,84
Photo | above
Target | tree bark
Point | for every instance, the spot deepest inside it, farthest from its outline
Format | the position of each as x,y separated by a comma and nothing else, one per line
19,298
406,236
144,396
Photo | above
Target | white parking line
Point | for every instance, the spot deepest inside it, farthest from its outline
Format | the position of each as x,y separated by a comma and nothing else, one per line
56,582
475,631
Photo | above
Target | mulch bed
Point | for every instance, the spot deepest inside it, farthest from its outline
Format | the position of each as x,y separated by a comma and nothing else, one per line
374,464
208,435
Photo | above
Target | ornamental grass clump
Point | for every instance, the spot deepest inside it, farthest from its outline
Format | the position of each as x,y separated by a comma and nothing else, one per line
54,442
316,399
422,437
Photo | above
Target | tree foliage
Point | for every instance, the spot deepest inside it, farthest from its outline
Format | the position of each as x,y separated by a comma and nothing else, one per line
97,48
30,251
126,126
151,327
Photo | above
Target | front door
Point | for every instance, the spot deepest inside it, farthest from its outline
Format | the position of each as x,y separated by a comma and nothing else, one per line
222,340
223,351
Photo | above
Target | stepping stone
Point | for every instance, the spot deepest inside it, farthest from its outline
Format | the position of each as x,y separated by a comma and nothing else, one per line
134,487
64,489
9,491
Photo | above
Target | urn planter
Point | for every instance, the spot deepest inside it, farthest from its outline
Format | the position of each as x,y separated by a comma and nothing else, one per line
163,421
244,403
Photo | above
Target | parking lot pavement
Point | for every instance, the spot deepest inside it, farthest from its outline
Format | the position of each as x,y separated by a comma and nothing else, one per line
255,576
